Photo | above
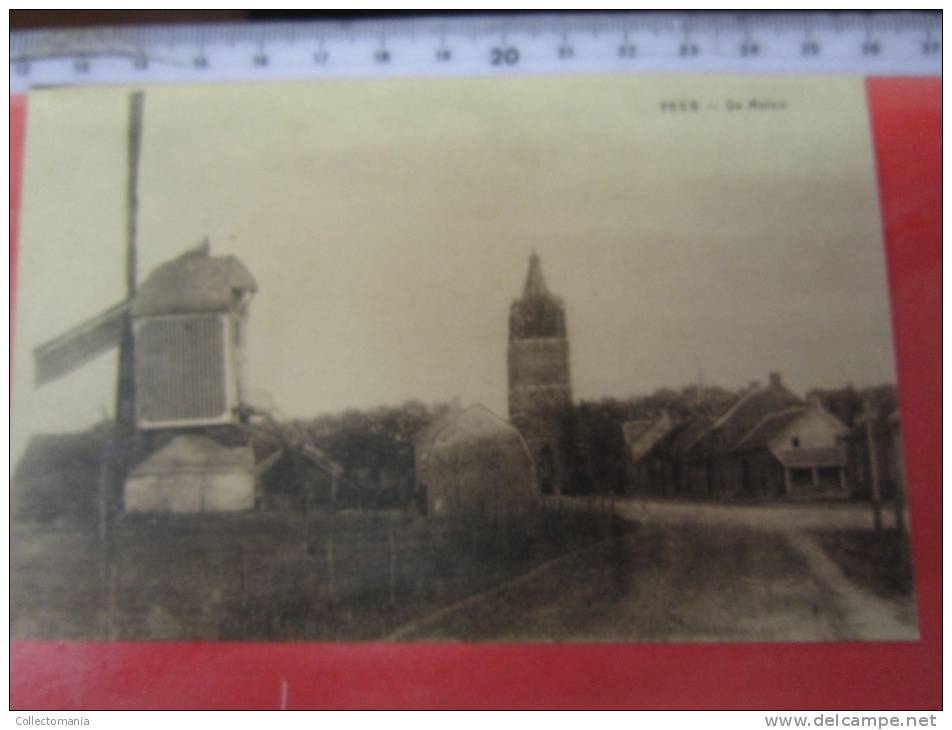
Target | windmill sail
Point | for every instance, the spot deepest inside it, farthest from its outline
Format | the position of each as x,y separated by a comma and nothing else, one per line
81,344
113,327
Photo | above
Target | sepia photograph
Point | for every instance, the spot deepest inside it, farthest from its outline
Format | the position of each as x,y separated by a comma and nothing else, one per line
523,359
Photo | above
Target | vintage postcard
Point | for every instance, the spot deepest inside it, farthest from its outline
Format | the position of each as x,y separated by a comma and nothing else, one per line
491,359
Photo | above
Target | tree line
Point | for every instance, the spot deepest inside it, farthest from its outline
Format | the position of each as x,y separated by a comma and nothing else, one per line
374,448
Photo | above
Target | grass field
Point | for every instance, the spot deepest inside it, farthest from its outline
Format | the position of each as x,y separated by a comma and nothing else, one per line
346,575
571,572
878,563
664,583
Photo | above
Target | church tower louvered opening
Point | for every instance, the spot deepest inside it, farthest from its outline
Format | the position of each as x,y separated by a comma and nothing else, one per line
540,386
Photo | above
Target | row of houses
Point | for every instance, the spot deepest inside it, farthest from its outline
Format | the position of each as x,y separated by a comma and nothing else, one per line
768,442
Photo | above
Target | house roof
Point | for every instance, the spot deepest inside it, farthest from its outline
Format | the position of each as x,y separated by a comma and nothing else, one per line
687,438
758,402
666,442
734,407
768,427
732,423
642,435
635,429
194,282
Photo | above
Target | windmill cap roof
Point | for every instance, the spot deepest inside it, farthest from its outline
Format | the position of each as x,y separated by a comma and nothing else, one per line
196,281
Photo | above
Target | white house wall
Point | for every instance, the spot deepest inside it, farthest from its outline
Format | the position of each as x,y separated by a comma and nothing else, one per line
815,429
189,492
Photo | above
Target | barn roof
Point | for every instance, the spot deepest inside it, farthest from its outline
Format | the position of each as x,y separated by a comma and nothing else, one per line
476,463
47,452
474,424
424,438
468,434
194,282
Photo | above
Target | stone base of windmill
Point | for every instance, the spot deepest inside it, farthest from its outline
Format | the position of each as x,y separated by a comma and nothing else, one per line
193,474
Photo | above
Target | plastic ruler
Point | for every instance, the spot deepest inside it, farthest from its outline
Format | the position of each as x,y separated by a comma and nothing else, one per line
459,45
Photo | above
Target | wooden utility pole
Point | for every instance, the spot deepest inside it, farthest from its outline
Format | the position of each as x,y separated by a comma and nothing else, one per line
104,532
900,477
902,543
125,385
122,440
869,418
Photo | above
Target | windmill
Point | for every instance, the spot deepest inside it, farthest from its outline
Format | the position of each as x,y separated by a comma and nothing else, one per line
180,336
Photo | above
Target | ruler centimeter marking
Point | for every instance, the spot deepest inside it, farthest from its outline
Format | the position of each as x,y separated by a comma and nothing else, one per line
670,42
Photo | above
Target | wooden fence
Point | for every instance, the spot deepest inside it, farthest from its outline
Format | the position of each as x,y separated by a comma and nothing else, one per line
280,575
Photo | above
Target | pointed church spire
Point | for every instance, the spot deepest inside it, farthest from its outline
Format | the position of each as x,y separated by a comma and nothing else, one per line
535,283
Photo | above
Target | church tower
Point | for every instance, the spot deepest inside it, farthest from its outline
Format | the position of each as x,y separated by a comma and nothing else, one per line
540,386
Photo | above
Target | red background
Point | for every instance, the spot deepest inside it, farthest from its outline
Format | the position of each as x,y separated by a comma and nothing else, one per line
906,119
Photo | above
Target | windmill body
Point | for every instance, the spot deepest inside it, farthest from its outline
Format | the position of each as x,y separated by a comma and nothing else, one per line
181,441
188,321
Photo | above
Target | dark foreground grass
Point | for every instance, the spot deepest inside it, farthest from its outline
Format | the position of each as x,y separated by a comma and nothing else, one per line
664,583
361,576
275,576
876,563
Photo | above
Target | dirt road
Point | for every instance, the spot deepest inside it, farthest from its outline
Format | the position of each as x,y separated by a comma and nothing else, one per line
690,572
784,517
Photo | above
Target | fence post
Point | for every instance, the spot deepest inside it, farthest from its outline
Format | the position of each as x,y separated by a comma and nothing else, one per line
330,567
393,569
112,610
869,414
612,520
246,611
307,517
242,572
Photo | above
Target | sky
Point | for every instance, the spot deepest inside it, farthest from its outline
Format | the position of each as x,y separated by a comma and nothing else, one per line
389,225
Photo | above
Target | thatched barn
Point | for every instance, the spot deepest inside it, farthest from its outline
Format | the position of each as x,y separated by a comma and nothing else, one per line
472,463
